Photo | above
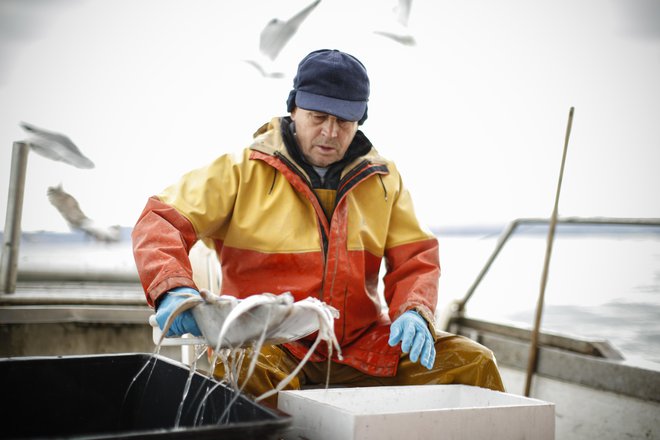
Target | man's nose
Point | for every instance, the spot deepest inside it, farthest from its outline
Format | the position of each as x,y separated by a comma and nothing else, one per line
330,127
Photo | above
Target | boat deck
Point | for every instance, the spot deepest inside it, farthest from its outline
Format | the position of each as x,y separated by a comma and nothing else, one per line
44,318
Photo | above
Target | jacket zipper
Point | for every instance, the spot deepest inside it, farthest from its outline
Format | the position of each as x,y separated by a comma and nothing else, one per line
324,235
342,189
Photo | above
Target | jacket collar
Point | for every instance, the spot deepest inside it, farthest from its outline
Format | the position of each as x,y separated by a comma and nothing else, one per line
268,139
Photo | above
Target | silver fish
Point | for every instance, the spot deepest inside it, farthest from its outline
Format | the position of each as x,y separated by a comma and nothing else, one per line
227,322
231,325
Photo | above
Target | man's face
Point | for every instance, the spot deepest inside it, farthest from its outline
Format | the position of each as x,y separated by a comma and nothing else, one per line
323,138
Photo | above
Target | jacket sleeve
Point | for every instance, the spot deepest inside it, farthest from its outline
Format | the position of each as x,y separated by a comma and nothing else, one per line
195,207
412,262
162,238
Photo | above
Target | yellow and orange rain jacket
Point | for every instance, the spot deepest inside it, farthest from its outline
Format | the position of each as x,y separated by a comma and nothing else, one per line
271,234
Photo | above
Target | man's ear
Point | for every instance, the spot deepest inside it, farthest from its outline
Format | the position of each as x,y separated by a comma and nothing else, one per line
293,113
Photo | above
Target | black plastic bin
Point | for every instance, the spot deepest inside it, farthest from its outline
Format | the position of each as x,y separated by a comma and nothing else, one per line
89,397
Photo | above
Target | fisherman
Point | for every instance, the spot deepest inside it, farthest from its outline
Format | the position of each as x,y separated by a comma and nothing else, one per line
312,208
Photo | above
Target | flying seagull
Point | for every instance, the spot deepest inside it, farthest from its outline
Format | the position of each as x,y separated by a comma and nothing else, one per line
68,206
277,32
399,31
264,72
402,11
275,35
55,146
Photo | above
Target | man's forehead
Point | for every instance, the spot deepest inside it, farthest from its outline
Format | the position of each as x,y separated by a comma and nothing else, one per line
318,113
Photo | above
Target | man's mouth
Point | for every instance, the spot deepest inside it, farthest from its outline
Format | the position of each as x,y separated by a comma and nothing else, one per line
325,149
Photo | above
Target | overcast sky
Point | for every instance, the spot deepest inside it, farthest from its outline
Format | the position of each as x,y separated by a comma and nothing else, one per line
474,114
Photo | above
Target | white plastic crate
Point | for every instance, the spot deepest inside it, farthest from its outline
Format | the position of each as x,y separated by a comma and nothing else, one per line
416,412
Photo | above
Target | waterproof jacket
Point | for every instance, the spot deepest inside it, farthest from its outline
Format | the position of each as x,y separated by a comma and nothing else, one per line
271,235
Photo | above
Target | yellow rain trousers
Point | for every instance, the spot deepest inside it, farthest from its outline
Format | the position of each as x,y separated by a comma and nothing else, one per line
459,360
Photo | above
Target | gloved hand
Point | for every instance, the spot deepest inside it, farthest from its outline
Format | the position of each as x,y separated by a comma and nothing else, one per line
182,324
412,331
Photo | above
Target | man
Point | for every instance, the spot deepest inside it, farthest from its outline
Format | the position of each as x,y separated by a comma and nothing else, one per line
312,208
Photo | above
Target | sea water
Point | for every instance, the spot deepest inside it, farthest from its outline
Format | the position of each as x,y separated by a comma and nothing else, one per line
603,282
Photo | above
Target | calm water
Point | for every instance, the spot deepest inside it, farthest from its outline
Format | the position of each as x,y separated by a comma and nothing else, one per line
601,285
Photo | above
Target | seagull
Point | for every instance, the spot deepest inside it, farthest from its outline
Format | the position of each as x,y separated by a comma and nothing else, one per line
55,146
399,31
405,39
402,11
68,206
275,35
263,71
277,32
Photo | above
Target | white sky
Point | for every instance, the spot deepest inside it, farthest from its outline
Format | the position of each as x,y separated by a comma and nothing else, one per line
474,115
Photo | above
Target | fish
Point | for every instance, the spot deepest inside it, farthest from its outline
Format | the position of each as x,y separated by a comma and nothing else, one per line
326,316
55,146
232,326
227,322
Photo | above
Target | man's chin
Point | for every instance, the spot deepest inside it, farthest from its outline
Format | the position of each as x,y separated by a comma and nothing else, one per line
323,162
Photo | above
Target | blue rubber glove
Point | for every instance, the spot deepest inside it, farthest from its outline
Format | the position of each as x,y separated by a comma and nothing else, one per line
182,324
412,331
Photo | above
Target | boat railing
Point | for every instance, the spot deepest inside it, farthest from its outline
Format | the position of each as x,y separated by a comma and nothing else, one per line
515,224
597,358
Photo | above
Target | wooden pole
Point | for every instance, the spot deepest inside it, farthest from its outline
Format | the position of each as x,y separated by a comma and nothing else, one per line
533,349
12,235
